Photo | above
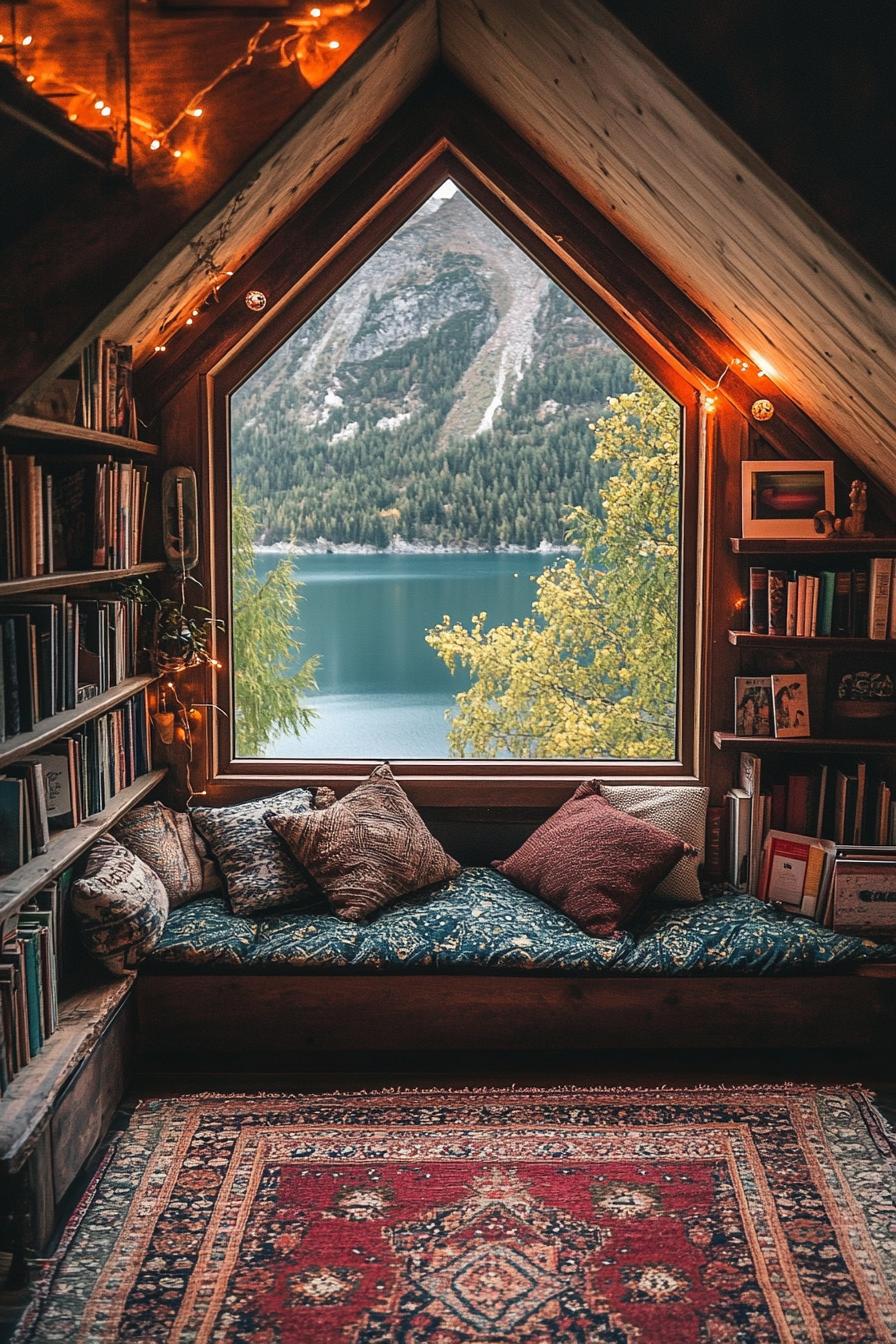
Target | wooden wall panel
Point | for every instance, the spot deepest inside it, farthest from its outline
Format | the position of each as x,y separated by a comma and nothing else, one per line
632,139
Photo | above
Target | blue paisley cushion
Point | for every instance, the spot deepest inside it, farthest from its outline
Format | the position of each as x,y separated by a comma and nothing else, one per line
481,921
259,871
121,906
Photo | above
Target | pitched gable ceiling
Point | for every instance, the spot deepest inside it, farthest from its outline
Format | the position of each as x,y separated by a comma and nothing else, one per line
598,107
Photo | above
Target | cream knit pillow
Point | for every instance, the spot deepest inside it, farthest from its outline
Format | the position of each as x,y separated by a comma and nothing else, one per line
680,811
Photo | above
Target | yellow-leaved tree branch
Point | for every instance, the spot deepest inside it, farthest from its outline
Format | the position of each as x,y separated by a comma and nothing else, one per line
592,671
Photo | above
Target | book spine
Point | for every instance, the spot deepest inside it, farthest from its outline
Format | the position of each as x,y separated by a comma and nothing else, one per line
859,602
879,582
777,602
758,600
792,594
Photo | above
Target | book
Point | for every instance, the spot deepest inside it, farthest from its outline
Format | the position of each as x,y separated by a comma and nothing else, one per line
12,823
777,602
863,895
738,802
792,594
759,580
826,601
790,704
841,615
752,706
859,621
714,862
750,780
795,871
880,579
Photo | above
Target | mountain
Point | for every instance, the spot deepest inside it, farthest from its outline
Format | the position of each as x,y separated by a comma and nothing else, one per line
442,395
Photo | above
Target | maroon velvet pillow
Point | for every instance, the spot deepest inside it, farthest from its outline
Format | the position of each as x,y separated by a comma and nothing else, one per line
593,862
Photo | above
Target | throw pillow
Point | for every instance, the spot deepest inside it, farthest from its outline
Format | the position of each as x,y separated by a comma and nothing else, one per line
369,848
167,842
593,862
121,906
259,871
680,811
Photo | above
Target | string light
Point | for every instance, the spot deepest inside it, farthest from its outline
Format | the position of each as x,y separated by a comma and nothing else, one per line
300,46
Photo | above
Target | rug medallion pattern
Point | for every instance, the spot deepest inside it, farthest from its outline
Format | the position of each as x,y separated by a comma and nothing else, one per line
623,1216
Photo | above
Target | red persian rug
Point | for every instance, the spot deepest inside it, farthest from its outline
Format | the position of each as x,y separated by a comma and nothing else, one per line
727,1216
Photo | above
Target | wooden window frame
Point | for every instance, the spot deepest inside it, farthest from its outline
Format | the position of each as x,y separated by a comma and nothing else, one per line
447,782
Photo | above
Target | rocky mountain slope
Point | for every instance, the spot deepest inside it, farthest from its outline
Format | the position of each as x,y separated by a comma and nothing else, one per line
441,395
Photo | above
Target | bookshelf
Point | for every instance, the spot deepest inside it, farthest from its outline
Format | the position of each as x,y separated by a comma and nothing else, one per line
818,546
76,578
746,639
55,433
862,746
66,846
47,730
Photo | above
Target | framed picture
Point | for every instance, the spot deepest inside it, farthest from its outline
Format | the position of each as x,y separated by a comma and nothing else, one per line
753,706
781,498
861,696
790,704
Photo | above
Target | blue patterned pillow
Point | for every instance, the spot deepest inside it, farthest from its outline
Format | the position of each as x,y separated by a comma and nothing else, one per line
121,906
259,871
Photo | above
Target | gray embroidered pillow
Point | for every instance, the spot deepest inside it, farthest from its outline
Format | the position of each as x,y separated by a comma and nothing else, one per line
259,871
121,906
167,842
679,811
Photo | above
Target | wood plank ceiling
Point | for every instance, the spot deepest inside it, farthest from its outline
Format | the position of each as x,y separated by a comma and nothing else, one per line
631,138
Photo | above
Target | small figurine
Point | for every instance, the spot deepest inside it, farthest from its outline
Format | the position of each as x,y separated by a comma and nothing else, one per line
853,526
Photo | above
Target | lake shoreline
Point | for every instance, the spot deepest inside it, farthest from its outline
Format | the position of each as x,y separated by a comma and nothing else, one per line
398,546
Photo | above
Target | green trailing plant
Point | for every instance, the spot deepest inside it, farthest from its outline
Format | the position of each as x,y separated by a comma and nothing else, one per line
176,635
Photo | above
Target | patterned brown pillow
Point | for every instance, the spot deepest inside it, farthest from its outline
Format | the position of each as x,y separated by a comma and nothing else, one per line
167,842
368,849
593,862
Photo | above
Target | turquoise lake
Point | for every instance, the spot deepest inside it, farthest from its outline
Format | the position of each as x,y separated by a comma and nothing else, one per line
382,692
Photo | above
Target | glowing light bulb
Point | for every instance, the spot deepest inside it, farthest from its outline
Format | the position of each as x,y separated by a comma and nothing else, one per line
711,403
195,312
315,13
160,349
99,105
195,111
155,144
73,116
29,79
334,45
177,153
106,112
26,41
189,322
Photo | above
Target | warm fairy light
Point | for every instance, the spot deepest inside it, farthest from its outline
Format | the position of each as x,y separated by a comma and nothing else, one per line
195,111
177,153
711,403
29,79
334,45
155,144
73,116
27,40
315,12
189,322
106,112
99,105
160,349
195,312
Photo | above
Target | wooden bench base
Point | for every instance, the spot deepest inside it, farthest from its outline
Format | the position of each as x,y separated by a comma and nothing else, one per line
216,1016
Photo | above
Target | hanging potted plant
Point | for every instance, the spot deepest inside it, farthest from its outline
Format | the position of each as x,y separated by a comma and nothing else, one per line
174,638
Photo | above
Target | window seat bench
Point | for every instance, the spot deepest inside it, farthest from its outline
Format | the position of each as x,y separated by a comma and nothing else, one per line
477,963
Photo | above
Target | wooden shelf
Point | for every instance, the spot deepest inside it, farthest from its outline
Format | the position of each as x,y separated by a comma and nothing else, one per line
824,643
814,546
65,846
47,730
76,578
28,1101
52,431
863,746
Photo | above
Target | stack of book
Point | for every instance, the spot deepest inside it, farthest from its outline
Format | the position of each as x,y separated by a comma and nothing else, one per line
29,976
846,805
71,779
106,399
56,652
58,515
851,602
